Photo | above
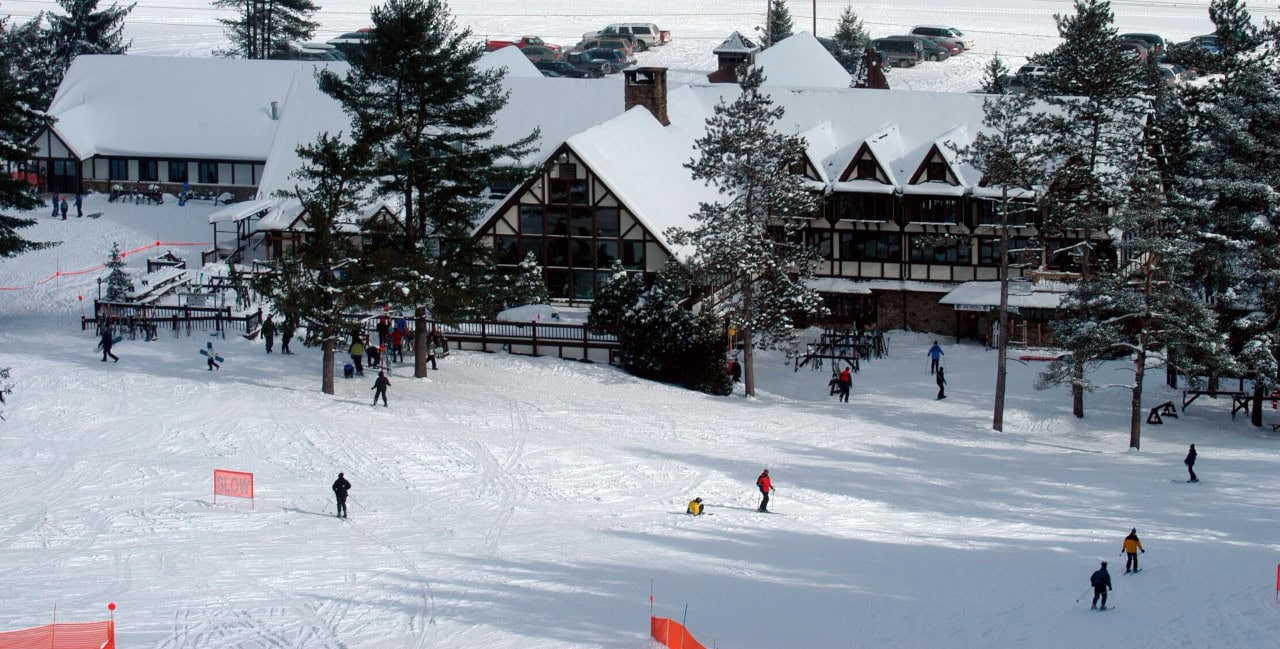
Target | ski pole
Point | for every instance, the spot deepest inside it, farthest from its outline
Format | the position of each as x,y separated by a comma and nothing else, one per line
1086,592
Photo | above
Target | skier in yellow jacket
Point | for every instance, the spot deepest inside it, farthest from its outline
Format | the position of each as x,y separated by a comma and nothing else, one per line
695,507
1132,546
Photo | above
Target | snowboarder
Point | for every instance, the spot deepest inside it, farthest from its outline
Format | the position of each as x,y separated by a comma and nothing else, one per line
79,206
211,356
286,334
380,388
357,355
941,379
735,371
1132,546
846,382
1101,581
269,333
695,507
935,358
1191,462
107,341
340,489
765,483
63,207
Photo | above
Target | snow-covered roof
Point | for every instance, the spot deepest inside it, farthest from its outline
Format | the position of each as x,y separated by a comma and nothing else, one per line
241,211
736,44
1021,294
802,61
173,107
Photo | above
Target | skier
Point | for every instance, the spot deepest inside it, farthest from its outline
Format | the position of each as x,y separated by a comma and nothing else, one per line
380,388
1191,462
397,345
735,371
269,333
211,356
765,483
357,355
935,357
384,330
286,334
79,206
1101,581
106,343
695,507
941,379
846,382
63,207
1132,546
340,489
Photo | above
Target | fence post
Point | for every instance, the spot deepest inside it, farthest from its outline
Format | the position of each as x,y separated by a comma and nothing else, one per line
586,353
535,339
484,337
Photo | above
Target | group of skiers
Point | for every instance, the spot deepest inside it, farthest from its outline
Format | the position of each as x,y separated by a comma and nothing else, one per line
1100,580
286,331
60,206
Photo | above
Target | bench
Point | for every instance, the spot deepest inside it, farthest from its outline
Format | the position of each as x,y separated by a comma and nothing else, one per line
1240,403
1157,414
1189,396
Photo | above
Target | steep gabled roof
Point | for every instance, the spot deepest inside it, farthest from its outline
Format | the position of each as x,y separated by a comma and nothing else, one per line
802,61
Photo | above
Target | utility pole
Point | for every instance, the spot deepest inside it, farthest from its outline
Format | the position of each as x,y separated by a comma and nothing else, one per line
997,418
815,18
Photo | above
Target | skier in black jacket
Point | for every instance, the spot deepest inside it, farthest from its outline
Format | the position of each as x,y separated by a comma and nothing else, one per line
106,343
269,333
1101,581
380,388
340,488
1190,462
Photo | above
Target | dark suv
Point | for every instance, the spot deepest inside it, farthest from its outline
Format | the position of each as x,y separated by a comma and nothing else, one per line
899,53
566,69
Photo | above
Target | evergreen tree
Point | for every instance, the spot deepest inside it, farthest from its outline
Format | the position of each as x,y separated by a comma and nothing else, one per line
19,120
85,30
995,77
850,40
777,23
33,59
751,241
118,283
263,29
420,104
322,282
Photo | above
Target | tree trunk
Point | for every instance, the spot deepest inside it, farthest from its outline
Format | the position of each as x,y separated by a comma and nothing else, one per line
420,342
1170,370
748,343
1255,413
1077,391
326,371
1135,408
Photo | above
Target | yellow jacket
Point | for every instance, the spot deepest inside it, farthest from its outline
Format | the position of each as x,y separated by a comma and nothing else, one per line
695,508
1132,545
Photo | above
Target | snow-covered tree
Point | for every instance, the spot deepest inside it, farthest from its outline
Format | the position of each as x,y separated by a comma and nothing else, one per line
118,283
777,23
20,118
748,245
995,77
850,40
263,29
86,30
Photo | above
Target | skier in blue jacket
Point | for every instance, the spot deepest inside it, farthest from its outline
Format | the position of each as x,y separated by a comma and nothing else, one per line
935,357
1101,581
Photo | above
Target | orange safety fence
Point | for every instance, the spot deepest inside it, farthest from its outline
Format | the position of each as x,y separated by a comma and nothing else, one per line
671,633
62,635
68,273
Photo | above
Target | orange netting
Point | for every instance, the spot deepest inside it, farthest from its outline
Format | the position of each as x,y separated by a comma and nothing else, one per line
672,634
63,635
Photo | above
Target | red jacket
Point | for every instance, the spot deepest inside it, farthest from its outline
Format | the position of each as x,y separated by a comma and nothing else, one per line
844,376
764,482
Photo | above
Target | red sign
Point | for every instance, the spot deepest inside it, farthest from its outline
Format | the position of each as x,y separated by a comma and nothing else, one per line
232,483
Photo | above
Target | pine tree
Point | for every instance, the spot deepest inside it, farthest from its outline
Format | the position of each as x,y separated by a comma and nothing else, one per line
995,77
850,40
85,30
323,282
19,119
419,102
34,60
751,241
119,286
777,23
264,29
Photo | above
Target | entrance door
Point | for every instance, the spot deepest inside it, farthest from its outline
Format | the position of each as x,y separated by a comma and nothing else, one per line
64,179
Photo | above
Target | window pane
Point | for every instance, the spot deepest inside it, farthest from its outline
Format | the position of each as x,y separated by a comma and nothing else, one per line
506,250
148,170
633,255
582,223
118,169
531,245
530,219
606,253
558,283
177,172
607,222
558,221
208,172
584,284
559,192
578,192
583,255
557,252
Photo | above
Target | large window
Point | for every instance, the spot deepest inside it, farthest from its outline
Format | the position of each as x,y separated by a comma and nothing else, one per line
148,171
575,244
208,173
932,210
1020,212
569,191
177,171
934,249
821,239
118,169
871,246
863,207
1019,251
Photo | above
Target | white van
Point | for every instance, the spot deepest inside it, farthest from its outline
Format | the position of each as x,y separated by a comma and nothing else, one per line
646,35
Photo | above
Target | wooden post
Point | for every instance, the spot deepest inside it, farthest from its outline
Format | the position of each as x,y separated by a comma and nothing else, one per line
535,339
586,353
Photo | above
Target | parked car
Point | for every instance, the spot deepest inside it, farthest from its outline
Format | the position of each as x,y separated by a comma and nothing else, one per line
1033,71
899,53
350,40
1207,42
523,42
930,50
1154,42
585,61
943,33
626,45
310,52
615,58
538,53
566,69
1135,49
646,35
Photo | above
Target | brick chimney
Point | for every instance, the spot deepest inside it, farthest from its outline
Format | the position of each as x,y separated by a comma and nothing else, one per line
647,87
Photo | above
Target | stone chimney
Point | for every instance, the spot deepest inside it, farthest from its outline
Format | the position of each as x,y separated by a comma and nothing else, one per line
732,53
647,87
275,110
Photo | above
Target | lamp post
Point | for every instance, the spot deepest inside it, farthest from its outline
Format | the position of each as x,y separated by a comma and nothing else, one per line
99,288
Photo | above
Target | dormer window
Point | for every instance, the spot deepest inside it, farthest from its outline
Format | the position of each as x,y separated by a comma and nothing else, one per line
799,167
867,170
935,170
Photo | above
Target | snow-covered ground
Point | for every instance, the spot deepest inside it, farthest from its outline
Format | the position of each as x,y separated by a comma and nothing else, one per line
521,502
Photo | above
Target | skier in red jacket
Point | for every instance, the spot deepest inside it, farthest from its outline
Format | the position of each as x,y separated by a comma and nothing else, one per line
766,486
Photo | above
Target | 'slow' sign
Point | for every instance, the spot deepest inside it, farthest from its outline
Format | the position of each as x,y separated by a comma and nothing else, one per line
232,483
